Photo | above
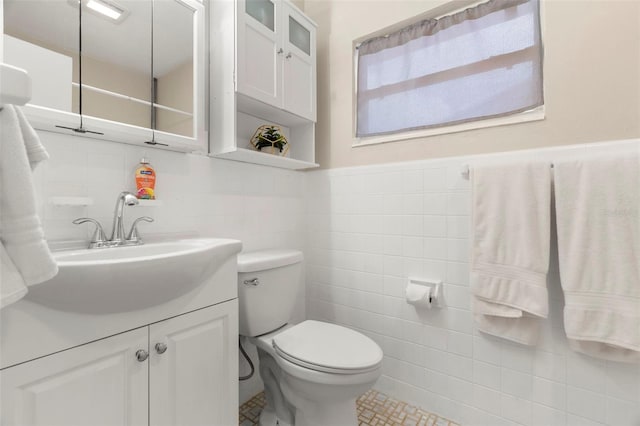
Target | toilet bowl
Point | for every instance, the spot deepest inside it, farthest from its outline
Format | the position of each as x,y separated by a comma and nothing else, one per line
313,371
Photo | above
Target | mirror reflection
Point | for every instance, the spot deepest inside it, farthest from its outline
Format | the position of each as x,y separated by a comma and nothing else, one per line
42,37
173,58
116,60
133,58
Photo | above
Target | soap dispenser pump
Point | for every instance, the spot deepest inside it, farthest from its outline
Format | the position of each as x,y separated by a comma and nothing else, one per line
145,180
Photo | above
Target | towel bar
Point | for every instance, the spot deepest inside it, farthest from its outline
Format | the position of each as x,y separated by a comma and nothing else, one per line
465,171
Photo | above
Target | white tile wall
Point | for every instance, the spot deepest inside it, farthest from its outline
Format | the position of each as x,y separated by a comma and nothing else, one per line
370,228
262,206
366,229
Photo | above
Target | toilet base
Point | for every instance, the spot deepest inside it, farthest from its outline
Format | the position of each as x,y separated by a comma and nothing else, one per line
268,418
313,413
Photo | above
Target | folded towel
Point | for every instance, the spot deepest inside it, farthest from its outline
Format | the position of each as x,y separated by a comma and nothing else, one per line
598,216
510,249
25,257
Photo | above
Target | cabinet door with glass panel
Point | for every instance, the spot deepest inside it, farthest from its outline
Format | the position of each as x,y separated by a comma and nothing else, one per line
123,70
260,50
299,69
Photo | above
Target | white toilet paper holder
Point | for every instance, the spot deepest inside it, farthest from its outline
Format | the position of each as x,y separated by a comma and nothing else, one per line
432,291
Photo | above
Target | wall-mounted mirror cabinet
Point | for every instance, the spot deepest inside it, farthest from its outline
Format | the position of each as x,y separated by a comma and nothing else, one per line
123,70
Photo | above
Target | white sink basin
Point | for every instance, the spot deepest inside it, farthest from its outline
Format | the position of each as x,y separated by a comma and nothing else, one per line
120,279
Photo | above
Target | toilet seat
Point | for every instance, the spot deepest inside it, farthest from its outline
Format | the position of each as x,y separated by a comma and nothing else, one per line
328,348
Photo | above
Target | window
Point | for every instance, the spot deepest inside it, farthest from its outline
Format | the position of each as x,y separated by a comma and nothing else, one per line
483,62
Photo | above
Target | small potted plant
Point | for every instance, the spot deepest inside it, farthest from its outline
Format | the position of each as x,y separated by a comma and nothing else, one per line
269,138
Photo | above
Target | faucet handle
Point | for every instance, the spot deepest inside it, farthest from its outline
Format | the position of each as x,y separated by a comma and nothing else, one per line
99,238
133,236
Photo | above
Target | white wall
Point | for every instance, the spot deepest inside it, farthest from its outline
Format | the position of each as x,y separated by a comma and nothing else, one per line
372,227
591,69
262,206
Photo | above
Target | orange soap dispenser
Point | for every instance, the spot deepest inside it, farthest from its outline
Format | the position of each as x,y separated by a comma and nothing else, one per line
145,180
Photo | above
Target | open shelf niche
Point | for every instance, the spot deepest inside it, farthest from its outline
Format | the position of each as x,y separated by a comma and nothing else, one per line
251,114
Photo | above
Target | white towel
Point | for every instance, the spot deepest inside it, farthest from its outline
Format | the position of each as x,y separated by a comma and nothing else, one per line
35,150
598,216
25,257
510,249
12,286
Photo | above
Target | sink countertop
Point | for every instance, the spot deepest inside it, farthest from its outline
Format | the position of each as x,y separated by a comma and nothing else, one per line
87,304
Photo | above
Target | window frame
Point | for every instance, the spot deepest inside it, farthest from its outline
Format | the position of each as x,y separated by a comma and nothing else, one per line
535,114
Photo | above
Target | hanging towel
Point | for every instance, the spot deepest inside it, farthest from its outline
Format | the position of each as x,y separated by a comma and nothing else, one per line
25,257
12,286
598,215
510,249
35,150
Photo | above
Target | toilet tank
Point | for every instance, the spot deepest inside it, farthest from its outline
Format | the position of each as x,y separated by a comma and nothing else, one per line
268,283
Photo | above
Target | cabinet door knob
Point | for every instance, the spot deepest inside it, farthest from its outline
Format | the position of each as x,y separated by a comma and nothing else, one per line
280,51
161,347
288,55
254,282
142,355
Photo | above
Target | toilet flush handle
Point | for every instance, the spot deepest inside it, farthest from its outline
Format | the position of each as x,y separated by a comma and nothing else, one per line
254,282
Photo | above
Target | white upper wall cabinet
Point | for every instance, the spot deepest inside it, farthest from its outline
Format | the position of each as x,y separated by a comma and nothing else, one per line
276,56
263,72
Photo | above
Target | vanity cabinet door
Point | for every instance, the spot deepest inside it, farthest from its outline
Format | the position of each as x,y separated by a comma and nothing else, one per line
259,50
194,368
299,70
100,383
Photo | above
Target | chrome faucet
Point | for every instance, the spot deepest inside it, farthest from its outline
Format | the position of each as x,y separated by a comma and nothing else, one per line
99,239
117,231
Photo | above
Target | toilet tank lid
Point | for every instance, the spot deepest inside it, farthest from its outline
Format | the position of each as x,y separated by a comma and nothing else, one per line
268,259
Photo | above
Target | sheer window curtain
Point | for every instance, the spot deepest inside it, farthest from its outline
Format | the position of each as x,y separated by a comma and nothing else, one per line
483,62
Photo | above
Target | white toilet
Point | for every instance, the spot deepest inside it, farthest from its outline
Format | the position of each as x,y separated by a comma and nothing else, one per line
313,371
